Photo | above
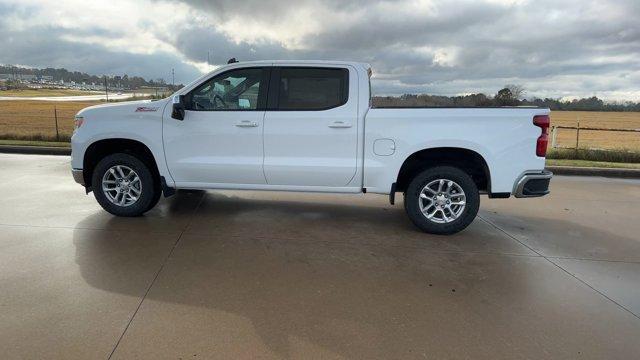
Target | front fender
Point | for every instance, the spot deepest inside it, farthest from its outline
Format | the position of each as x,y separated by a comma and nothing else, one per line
121,122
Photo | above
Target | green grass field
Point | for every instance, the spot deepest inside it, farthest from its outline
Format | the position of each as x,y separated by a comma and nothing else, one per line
586,163
35,143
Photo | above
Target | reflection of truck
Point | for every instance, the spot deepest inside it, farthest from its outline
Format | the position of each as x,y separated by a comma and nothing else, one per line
308,126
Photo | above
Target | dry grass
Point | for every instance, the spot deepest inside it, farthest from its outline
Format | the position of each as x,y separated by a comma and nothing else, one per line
34,120
598,139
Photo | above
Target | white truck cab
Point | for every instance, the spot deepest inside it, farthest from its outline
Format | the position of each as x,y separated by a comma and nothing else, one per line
308,126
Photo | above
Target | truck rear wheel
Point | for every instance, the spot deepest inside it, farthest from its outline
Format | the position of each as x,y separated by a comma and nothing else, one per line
123,185
442,200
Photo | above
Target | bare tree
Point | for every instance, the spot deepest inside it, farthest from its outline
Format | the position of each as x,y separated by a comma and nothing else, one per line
517,91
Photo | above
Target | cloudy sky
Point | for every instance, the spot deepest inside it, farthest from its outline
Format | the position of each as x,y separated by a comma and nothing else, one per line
568,48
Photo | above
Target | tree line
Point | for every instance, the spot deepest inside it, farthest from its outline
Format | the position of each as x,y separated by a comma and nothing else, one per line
124,81
510,95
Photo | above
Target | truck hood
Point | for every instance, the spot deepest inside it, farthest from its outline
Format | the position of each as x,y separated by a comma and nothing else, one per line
140,107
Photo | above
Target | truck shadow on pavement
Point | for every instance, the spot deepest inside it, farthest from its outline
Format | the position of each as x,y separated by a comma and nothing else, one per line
352,280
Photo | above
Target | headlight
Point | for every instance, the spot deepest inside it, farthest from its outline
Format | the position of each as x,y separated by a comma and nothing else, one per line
77,122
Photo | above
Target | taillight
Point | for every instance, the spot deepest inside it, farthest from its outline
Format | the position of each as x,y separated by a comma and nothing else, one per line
543,122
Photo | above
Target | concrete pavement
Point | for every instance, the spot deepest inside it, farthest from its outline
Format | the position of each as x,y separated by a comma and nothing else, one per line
286,275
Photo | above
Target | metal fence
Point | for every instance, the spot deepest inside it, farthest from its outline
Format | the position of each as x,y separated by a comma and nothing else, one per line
39,120
578,129
47,122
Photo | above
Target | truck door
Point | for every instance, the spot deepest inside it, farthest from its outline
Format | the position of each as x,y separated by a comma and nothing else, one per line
220,139
310,126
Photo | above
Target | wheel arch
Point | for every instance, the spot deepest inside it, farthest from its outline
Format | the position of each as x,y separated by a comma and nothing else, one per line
99,149
469,161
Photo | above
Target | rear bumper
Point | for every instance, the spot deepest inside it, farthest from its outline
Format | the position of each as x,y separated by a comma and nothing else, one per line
78,176
532,184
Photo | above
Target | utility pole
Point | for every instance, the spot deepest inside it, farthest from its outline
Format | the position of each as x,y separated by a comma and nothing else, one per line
106,93
173,77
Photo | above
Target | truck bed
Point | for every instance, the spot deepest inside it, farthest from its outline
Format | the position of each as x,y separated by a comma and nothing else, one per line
504,137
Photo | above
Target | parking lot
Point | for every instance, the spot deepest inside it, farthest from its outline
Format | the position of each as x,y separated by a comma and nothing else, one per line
224,274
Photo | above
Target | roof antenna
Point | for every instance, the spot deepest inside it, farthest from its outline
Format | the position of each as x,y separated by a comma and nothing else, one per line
232,60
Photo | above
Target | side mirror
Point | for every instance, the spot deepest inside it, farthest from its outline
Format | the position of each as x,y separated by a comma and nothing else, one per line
178,107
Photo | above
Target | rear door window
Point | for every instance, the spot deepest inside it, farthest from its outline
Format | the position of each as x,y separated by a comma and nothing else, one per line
312,88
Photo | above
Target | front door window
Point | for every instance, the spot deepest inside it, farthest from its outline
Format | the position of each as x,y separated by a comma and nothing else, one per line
233,90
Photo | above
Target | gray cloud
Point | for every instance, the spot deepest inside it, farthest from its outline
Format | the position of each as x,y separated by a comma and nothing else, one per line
537,43
221,49
31,48
574,47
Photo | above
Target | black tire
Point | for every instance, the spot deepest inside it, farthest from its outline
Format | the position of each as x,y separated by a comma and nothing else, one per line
156,198
466,216
149,191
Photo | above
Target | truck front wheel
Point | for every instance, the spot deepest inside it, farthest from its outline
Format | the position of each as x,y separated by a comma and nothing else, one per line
442,200
123,185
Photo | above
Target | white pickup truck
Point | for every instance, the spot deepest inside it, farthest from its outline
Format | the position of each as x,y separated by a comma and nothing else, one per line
308,126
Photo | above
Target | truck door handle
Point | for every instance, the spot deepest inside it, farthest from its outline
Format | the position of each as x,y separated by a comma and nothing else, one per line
339,124
246,123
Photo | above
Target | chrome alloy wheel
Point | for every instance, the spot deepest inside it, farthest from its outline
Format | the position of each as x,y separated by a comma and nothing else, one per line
442,201
121,185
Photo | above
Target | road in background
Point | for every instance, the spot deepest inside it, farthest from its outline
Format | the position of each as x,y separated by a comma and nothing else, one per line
288,275
96,97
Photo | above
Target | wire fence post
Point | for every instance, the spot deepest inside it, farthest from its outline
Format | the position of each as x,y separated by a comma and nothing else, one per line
577,132
578,135
55,116
554,137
